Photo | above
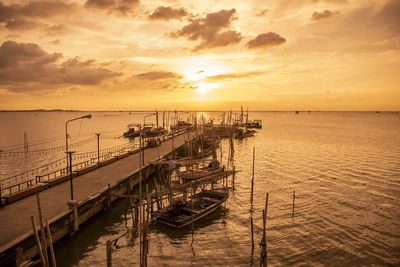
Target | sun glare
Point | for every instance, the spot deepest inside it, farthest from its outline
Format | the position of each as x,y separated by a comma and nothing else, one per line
203,88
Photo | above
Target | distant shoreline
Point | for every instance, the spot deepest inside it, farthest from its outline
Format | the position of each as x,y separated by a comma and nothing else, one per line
152,110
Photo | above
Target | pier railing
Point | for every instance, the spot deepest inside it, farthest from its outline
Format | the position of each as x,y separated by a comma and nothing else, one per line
34,177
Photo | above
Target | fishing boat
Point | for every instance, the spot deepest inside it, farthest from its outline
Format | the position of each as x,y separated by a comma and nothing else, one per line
199,205
131,132
152,132
244,134
199,173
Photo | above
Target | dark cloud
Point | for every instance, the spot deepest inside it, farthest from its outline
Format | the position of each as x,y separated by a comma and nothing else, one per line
266,40
167,13
36,9
122,7
25,65
262,12
46,9
210,30
324,14
21,24
24,17
235,75
158,75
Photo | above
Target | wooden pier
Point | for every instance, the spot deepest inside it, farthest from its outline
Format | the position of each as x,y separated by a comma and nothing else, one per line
93,192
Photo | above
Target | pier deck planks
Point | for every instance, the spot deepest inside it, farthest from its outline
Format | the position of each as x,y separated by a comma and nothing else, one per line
15,217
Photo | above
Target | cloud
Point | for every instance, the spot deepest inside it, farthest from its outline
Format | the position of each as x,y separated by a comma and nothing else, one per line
324,14
21,24
122,7
24,17
209,30
167,13
36,9
262,12
56,42
158,75
234,75
265,40
55,30
27,65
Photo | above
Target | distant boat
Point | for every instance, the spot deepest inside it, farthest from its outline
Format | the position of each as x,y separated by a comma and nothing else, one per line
199,206
131,132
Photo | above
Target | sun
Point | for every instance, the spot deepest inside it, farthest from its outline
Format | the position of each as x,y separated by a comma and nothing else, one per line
202,87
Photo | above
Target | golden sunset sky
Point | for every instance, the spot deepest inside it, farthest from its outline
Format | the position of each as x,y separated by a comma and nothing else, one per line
214,55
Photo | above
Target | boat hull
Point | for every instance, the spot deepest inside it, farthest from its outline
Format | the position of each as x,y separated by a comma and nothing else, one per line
183,216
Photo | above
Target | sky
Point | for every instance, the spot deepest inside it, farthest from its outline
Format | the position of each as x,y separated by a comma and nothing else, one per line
200,55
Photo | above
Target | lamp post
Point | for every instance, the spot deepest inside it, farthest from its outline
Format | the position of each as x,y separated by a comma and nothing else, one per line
88,116
69,154
98,150
144,126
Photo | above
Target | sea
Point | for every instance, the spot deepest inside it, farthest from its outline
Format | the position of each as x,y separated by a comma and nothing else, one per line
342,169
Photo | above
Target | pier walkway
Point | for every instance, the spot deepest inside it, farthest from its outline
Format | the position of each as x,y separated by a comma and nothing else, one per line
15,218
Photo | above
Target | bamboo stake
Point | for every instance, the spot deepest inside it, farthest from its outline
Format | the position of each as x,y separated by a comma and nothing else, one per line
252,235
39,246
42,233
263,259
233,178
294,196
53,255
252,178
109,253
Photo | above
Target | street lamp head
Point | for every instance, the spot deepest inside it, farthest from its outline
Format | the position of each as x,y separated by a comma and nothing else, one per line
88,116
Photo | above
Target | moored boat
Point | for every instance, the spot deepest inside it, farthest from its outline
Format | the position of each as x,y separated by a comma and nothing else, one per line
199,173
199,206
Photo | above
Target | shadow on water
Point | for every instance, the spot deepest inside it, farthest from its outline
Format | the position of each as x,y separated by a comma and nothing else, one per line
75,247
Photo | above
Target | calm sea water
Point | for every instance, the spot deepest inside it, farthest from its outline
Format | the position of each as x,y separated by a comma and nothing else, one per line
344,166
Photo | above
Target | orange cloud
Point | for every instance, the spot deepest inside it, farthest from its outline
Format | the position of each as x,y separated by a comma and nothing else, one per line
266,40
324,14
167,13
210,30
235,75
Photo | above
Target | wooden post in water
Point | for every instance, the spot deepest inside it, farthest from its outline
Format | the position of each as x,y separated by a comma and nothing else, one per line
263,259
252,235
233,178
42,233
294,196
53,255
39,246
252,178
109,253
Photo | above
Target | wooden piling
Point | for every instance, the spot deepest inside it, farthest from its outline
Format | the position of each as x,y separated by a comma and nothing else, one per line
294,196
109,253
252,235
252,178
263,258
42,232
39,246
53,255
233,178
